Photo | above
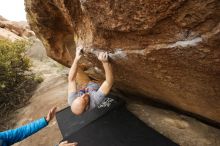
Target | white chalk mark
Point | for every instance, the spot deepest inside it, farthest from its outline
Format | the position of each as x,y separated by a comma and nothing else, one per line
141,51
121,53
95,51
118,54
186,43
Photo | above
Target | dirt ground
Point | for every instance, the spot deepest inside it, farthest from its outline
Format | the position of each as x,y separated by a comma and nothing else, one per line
52,91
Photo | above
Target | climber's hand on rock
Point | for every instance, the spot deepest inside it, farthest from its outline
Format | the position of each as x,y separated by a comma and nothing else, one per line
65,143
103,56
79,52
51,114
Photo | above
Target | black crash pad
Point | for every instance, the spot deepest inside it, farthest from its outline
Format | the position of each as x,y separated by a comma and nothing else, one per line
110,124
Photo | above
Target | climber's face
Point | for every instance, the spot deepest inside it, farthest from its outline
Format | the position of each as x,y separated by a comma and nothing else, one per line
80,104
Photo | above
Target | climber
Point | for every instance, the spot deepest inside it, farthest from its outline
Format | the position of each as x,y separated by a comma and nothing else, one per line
10,137
91,94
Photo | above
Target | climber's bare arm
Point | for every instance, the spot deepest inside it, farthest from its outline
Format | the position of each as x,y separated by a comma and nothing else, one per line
107,84
73,72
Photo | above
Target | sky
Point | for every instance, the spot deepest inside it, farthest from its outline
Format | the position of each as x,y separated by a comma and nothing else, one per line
13,10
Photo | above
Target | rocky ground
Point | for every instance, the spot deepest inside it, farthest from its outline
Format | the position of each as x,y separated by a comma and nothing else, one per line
182,129
51,92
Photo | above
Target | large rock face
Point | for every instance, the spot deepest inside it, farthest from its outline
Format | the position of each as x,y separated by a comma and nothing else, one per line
13,30
164,49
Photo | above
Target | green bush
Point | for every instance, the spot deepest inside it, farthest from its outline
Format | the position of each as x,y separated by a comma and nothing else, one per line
16,80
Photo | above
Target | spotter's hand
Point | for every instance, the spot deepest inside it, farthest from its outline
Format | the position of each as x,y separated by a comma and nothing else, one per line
103,56
51,114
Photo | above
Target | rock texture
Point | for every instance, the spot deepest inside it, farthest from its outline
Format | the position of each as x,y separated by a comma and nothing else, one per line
163,49
14,30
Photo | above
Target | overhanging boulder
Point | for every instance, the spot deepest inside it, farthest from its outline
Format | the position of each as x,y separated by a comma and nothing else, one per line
167,50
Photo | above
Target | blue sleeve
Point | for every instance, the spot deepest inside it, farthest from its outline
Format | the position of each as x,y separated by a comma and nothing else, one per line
16,135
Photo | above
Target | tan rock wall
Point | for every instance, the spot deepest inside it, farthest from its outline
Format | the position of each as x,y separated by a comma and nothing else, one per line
167,50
